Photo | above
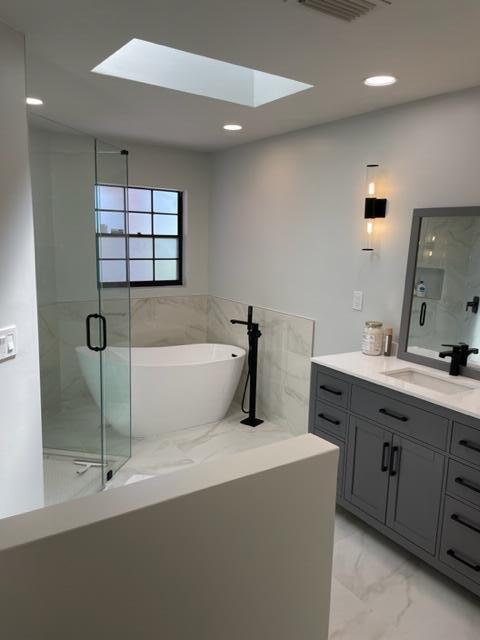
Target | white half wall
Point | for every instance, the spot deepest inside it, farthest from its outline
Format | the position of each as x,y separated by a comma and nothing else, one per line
239,548
286,221
21,478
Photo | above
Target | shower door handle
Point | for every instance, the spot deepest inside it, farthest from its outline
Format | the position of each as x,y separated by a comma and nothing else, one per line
103,323
423,313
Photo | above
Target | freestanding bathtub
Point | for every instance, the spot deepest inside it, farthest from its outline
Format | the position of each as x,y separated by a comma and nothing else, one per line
172,387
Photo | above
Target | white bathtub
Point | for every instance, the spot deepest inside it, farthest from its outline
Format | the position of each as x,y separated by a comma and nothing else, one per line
172,387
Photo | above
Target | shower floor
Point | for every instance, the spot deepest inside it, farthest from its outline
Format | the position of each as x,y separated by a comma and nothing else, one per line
179,449
151,456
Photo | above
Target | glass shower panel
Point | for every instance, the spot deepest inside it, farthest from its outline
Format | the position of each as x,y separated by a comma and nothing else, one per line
63,175
111,179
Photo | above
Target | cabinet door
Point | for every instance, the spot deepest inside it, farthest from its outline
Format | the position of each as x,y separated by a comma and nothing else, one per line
366,477
416,475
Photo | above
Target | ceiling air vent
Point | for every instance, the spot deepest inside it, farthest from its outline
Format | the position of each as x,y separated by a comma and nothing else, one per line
344,9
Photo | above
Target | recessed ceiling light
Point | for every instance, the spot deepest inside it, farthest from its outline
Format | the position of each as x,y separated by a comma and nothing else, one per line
380,81
34,101
232,127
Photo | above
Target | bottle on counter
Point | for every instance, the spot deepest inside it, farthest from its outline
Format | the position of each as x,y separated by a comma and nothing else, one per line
373,338
388,342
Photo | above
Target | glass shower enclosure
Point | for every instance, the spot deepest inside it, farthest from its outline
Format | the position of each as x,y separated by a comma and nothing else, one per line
84,323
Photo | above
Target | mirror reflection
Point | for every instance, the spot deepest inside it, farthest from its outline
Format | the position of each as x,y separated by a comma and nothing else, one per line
446,287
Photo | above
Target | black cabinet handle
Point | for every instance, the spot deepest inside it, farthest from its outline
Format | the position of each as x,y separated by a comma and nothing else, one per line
394,456
455,556
103,322
464,523
392,414
335,392
386,446
423,313
332,420
470,445
467,484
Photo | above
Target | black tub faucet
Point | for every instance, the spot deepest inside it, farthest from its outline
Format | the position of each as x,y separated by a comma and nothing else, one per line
254,334
459,354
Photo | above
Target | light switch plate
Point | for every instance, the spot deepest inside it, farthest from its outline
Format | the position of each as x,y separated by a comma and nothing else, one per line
8,343
357,301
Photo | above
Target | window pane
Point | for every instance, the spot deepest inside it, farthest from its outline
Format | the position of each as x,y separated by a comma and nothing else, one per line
165,201
141,270
112,248
113,271
141,248
111,222
140,223
139,200
166,248
110,198
165,225
166,270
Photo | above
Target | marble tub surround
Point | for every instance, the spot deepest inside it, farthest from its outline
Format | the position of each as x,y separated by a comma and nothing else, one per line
285,349
374,368
169,320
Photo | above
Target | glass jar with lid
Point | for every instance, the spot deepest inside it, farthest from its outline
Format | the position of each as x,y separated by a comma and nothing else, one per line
372,339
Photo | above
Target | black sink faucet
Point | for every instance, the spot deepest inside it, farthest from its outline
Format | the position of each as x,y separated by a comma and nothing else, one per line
459,354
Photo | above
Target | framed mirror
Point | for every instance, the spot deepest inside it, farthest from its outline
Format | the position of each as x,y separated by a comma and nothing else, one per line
441,303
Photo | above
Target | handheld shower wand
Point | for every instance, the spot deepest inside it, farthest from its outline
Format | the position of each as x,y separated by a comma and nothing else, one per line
253,337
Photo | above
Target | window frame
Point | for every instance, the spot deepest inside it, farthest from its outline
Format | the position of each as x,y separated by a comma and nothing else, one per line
153,236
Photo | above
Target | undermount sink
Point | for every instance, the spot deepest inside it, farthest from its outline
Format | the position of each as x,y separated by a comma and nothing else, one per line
413,376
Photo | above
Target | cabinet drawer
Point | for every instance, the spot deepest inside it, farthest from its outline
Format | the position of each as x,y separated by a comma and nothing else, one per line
332,389
402,417
331,419
460,548
466,443
341,458
464,482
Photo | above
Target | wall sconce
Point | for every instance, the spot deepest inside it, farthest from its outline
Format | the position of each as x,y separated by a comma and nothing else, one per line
374,207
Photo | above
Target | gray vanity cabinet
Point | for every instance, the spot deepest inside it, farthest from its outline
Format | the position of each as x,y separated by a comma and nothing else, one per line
414,494
409,468
366,476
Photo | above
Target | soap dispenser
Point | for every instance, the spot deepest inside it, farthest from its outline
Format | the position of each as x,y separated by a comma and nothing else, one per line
420,289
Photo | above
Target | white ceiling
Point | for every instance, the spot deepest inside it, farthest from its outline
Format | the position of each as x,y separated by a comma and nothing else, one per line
432,46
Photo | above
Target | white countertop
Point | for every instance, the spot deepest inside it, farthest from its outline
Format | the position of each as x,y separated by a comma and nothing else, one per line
374,368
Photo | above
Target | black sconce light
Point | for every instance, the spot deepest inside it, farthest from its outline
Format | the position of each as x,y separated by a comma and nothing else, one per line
374,207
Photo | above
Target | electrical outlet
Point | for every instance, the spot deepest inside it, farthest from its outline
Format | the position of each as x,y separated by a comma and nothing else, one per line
357,301
8,343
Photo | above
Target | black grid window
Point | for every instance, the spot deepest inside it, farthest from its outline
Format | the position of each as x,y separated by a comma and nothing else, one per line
140,236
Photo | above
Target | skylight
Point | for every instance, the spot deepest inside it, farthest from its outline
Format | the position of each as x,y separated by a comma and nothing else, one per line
162,66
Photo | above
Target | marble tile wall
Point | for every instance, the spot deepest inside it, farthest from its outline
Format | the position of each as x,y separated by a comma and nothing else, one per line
284,350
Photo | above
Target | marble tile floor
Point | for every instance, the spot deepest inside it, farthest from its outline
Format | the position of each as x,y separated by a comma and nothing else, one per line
178,449
381,592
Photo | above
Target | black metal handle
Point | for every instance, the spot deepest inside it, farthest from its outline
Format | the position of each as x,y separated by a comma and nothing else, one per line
392,414
386,447
394,456
470,445
423,313
455,556
335,392
328,419
96,316
464,523
467,484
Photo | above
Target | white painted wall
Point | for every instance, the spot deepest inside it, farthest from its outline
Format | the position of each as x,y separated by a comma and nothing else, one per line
286,220
21,479
189,171
234,549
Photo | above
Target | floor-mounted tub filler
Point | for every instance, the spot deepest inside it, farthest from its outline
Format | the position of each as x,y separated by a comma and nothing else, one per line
172,387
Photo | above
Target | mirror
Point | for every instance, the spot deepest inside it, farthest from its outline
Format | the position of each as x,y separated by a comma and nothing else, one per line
442,289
